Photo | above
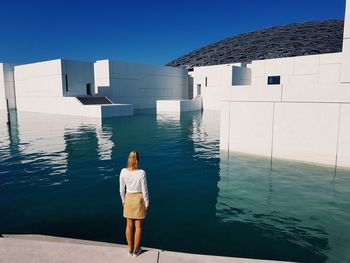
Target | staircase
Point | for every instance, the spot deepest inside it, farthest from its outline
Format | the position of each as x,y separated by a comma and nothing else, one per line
94,100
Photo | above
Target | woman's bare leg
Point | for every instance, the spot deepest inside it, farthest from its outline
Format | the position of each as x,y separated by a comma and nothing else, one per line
138,232
129,233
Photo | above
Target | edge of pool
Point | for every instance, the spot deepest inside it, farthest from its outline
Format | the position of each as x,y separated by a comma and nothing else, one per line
41,248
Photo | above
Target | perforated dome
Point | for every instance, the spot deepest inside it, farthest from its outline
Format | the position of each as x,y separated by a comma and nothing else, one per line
276,42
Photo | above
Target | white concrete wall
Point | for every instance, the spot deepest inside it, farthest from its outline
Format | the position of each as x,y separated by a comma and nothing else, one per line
304,118
9,79
79,74
101,74
241,76
217,77
247,127
139,84
72,106
58,105
317,79
41,87
308,132
47,79
179,105
38,80
7,86
343,157
168,106
2,89
314,78
225,125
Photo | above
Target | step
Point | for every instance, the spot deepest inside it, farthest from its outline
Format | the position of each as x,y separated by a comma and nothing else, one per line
93,100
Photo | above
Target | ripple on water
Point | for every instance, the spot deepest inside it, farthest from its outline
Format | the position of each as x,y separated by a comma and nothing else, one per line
60,176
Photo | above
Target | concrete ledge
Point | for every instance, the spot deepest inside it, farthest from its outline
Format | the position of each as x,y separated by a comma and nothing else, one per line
60,240
164,106
40,248
14,250
116,110
176,257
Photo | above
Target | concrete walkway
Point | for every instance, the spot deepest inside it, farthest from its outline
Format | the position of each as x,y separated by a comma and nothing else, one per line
45,249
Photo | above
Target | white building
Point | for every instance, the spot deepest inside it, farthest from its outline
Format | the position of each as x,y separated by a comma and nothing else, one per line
7,86
62,87
139,84
68,87
294,108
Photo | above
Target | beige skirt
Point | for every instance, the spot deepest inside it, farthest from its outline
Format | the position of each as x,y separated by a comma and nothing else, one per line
134,206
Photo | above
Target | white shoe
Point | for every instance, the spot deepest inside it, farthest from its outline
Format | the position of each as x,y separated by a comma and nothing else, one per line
129,253
137,252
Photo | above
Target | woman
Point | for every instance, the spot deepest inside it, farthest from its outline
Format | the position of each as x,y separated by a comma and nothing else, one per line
135,201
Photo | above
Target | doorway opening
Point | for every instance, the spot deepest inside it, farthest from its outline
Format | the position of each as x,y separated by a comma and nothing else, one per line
199,89
88,89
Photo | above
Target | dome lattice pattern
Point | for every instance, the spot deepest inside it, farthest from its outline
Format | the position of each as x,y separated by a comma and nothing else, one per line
276,42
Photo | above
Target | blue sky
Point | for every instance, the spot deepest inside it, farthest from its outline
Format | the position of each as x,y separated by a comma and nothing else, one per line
152,32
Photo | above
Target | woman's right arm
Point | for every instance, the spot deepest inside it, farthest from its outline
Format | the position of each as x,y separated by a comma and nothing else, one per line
122,186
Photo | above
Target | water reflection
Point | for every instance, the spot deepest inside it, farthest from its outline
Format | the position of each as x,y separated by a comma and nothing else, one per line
9,142
4,137
185,188
59,176
8,133
296,203
105,143
202,130
42,143
205,135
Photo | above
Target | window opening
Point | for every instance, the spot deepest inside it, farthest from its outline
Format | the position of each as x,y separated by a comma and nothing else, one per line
273,80
66,78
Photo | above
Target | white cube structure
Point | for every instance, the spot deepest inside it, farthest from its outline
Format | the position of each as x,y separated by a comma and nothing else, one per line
295,108
139,84
306,116
178,106
54,78
53,87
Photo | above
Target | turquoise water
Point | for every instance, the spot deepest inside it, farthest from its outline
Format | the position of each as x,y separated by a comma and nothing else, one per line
59,176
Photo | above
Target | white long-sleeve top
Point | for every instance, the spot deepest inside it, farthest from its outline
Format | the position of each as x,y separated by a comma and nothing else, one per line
135,182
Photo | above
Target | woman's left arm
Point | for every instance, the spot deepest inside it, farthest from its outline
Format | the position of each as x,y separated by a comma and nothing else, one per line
145,189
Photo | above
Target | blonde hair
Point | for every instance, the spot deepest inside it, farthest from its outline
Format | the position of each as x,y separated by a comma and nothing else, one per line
133,160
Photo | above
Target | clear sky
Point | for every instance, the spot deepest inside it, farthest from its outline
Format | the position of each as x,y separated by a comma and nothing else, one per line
153,32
